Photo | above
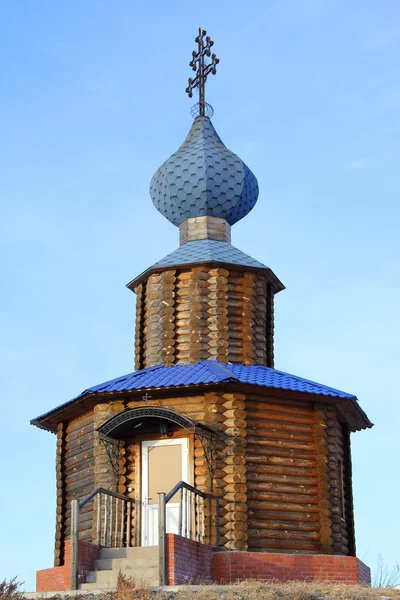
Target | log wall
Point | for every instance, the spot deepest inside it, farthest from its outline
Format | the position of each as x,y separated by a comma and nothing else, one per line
79,471
339,469
201,313
234,508
60,496
281,475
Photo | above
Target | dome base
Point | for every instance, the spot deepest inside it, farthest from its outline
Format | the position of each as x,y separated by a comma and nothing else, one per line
204,228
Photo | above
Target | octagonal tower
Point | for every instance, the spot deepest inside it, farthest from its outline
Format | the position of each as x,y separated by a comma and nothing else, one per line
208,299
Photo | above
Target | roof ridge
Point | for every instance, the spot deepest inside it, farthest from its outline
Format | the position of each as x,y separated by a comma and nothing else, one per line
121,378
216,368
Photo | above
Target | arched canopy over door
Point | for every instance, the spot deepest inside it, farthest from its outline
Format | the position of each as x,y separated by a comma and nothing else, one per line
123,421
112,430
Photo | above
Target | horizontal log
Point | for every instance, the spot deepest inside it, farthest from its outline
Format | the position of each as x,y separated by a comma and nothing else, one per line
235,432
338,538
234,470
81,485
254,490
272,534
235,487
280,448
77,424
281,488
280,470
259,511
233,403
85,520
236,461
235,423
79,433
79,458
182,402
281,479
233,496
74,476
283,545
282,525
255,432
280,416
236,506
285,461
298,507
236,536
82,443
235,526
271,404
238,545
259,423
235,478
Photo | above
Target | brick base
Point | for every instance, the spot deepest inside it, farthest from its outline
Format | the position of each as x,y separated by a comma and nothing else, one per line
191,562
188,561
228,567
58,578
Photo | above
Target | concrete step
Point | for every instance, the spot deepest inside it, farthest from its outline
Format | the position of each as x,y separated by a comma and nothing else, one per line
94,587
138,564
100,577
145,552
104,564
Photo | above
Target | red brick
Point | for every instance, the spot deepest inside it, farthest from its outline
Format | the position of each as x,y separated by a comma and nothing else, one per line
58,578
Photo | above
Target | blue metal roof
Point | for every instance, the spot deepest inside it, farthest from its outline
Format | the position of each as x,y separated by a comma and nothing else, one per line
208,251
211,371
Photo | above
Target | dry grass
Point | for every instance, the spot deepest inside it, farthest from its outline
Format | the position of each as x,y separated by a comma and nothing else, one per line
255,590
9,590
128,589
293,590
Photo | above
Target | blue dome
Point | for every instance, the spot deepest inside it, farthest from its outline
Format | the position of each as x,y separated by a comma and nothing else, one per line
203,178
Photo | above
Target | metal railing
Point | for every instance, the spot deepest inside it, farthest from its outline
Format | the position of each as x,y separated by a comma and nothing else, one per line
113,524
191,519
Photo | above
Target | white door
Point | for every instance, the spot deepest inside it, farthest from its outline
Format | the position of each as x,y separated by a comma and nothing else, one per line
164,464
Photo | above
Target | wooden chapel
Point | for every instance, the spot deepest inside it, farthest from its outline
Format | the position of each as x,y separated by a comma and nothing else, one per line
267,452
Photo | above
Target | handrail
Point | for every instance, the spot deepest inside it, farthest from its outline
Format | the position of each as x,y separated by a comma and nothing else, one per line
191,519
183,484
101,490
113,530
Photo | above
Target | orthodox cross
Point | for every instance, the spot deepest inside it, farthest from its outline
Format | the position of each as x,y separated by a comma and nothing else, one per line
146,398
198,64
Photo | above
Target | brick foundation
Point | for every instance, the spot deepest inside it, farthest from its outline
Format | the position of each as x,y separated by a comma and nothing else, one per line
191,562
228,567
58,578
188,561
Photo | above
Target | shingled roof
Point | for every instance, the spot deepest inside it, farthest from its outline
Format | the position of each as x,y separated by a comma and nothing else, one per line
208,372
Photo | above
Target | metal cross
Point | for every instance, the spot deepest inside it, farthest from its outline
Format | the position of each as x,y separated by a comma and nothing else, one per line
146,398
203,70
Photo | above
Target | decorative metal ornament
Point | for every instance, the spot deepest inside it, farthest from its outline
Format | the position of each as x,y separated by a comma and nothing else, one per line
146,398
198,64
108,433
114,449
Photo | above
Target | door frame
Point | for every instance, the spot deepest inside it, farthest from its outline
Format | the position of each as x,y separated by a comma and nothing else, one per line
144,471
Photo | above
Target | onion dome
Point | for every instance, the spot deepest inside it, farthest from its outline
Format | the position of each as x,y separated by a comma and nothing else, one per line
203,178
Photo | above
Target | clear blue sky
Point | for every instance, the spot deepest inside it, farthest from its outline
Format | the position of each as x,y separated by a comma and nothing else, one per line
92,101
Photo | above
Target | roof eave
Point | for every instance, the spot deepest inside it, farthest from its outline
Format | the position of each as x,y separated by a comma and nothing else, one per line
272,278
349,408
